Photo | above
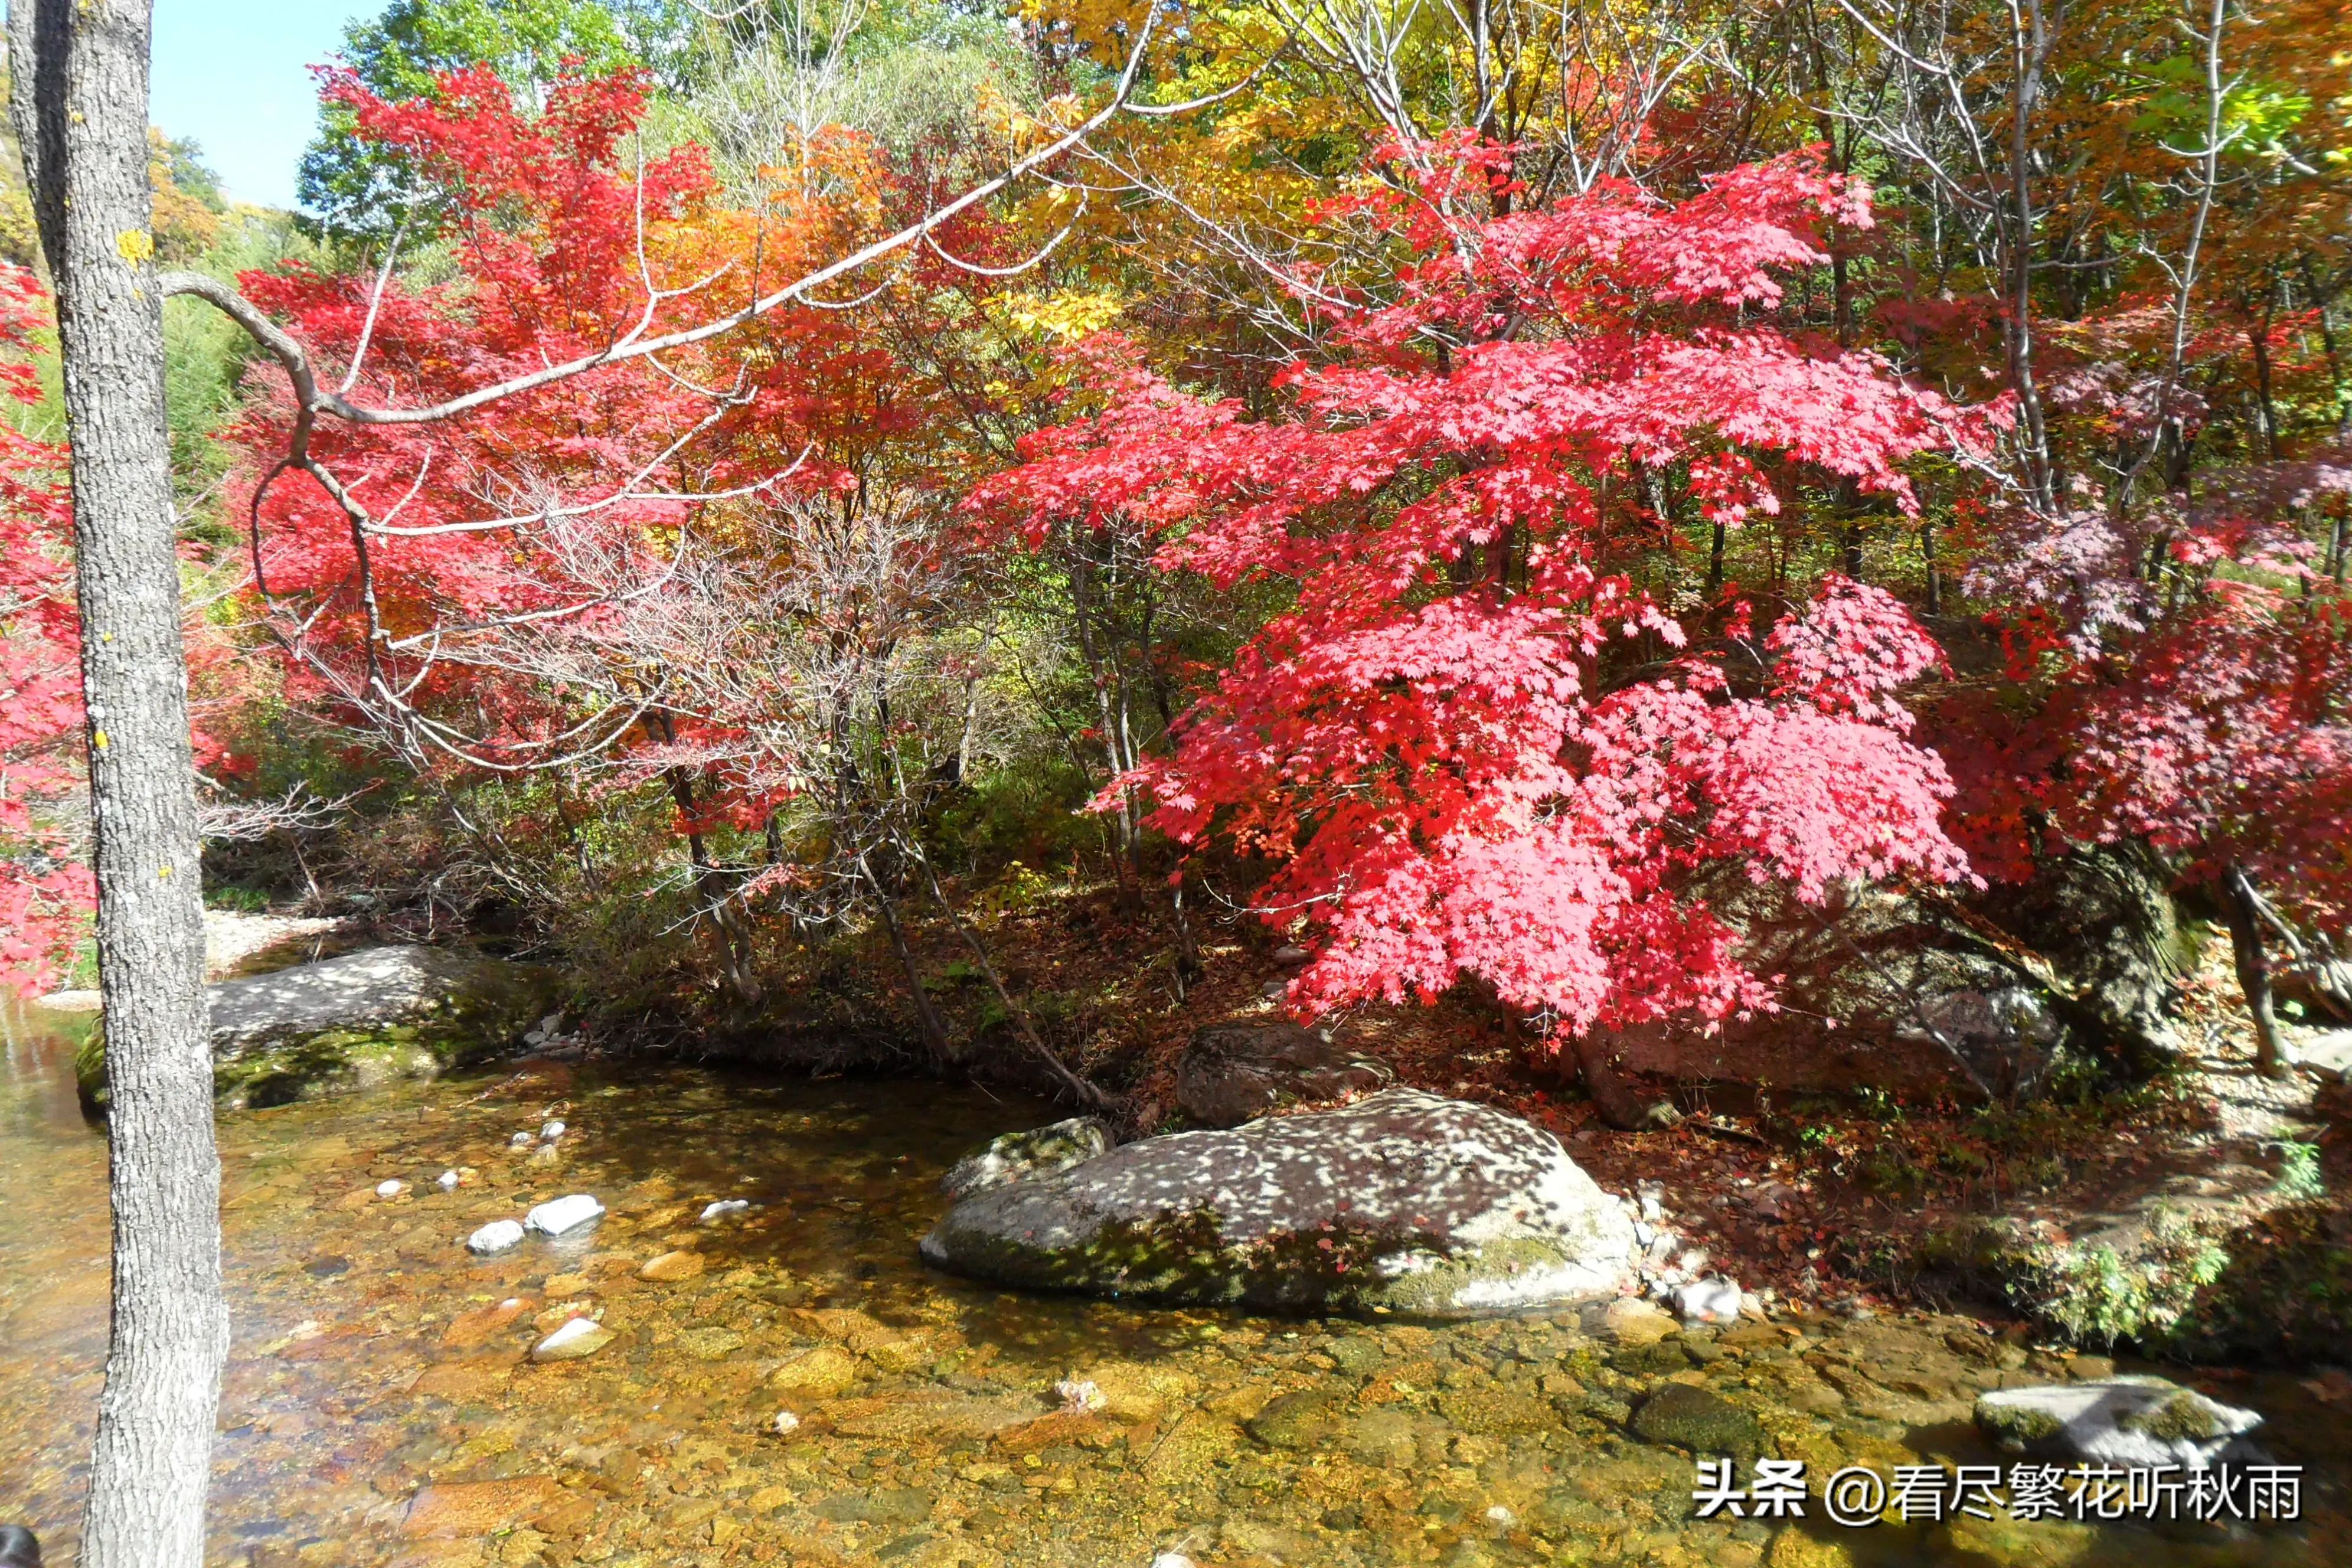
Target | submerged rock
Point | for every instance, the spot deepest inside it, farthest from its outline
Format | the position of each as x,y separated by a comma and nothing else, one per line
1688,1418
1402,1202
2127,1421
1232,1072
1038,1151
819,1374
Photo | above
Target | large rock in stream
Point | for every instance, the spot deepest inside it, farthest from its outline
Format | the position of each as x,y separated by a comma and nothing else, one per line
1403,1202
354,1021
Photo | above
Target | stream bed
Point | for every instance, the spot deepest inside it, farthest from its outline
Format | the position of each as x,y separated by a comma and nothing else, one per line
380,1406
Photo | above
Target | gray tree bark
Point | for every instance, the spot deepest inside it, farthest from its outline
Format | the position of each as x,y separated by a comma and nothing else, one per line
80,113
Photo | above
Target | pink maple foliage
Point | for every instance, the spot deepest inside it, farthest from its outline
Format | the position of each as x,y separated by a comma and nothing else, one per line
1474,744
43,888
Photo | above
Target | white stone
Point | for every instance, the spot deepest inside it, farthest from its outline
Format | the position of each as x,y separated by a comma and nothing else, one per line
1711,1300
563,1215
2133,1422
785,1424
496,1236
1502,1516
447,1181
574,1339
519,1140
551,1132
1079,1396
390,1189
723,1208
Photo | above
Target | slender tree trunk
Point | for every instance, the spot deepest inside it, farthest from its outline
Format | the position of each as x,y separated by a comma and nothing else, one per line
80,109
1188,951
933,1029
2245,918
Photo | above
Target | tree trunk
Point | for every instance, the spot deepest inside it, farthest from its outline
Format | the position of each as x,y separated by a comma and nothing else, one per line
2245,918
927,1022
80,109
1622,1102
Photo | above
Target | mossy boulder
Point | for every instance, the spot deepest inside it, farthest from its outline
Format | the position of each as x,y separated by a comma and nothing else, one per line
2128,1421
352,1022
1403,1202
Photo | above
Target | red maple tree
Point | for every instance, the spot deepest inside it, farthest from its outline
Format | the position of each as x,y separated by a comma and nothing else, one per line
43,888
1475,744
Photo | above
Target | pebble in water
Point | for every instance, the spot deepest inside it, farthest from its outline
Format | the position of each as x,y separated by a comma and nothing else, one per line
390,1189
496,1236
563,1215
447,1182
577,1338
519,1140
723,1208
551,1131
785,1424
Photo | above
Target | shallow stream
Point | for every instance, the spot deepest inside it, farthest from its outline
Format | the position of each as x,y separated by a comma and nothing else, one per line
379,1407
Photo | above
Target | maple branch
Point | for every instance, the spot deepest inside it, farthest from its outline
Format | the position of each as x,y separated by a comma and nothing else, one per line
311,399
375,303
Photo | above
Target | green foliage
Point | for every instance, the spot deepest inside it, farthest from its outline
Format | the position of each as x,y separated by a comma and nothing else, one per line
1020,816
236,896
2299,1178
183,162
356,191
206,353
911,74
2093,1296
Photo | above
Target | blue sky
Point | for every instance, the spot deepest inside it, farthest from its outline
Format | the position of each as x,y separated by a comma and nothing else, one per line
231,74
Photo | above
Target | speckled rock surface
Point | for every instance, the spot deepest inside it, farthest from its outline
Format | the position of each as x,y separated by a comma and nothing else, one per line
1232,1072
1017,1155
1402,1202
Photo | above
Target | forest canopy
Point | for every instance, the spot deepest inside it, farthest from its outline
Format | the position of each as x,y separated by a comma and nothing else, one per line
1498,495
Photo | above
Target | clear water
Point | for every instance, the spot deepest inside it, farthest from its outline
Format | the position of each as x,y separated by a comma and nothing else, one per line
929,1431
